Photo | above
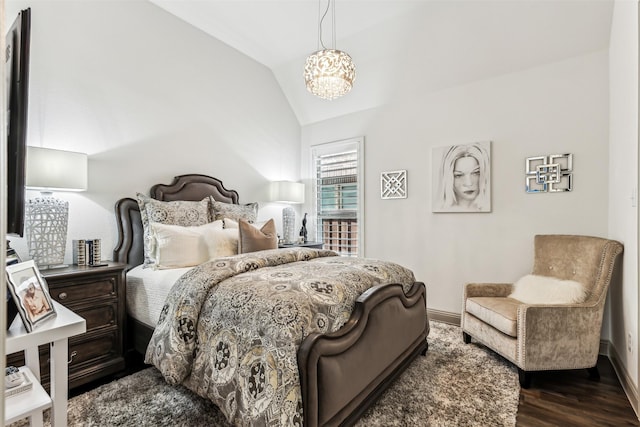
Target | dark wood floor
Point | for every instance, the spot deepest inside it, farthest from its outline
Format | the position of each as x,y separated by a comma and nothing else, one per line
569,398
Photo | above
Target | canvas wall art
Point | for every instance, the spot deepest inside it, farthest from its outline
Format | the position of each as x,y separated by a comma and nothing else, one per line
462,178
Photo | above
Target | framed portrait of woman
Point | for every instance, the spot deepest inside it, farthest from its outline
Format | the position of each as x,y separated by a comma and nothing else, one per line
30,293
462,178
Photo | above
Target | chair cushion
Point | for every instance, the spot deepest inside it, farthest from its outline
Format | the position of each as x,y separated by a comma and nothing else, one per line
499,312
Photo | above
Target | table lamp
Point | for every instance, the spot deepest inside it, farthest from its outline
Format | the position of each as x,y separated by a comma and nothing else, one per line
46,217
291,193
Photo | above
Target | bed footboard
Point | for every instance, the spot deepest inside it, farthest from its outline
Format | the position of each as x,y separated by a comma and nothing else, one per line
343,373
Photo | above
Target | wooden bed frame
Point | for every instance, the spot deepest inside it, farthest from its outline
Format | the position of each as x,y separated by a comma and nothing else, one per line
341,373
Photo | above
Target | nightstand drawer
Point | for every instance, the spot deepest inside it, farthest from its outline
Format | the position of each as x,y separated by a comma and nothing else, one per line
93,349
83,290
98,317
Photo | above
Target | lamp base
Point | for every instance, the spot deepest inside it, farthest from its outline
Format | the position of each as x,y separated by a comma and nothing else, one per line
288,224
46,230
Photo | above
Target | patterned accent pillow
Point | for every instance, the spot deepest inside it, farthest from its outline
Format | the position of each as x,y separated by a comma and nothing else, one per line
221,210
178,212
252,239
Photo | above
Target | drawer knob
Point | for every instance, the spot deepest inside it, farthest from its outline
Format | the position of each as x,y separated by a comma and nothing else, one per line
73,354
63,295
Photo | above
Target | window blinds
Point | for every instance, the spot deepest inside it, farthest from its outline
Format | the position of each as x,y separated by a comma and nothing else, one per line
337,201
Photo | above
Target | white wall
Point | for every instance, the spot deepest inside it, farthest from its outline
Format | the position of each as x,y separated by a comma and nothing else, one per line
149,97
557,108
623,152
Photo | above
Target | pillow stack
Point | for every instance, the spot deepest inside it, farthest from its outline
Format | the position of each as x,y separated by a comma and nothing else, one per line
185,233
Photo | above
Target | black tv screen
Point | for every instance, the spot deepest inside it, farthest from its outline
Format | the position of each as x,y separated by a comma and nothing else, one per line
17,70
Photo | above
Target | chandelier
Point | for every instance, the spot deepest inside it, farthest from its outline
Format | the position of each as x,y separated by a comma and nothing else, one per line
329,73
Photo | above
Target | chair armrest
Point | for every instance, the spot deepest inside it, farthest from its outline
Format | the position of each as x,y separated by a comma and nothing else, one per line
548,333
487,290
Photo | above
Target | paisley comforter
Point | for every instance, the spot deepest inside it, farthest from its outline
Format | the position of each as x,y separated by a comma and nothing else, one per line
230,328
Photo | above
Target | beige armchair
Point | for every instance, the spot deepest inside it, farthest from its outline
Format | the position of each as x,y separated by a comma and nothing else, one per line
540,337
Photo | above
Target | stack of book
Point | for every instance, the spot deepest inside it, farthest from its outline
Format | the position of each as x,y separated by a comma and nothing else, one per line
86,252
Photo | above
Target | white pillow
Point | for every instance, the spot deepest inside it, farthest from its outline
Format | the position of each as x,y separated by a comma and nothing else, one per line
223,243
174,246
533,289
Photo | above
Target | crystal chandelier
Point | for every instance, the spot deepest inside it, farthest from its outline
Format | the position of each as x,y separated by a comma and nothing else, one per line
329,73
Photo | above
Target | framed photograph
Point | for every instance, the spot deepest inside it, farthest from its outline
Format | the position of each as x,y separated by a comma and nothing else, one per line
30,293
462,178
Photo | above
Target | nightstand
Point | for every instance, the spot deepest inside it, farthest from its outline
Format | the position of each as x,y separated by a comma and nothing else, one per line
98,295
313,245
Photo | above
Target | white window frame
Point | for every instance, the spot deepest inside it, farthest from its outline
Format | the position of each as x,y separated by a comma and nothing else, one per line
336,147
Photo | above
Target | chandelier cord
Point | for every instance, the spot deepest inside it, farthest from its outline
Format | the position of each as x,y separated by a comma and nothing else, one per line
322,20
333,23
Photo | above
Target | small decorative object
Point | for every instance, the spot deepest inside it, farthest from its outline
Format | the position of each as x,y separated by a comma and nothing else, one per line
393,185
288,224
303,229
552,173
29,291
87,252
12,377
462,178
15,381
12,256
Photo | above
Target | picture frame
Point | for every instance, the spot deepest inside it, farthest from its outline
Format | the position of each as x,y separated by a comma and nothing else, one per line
461,178
30,293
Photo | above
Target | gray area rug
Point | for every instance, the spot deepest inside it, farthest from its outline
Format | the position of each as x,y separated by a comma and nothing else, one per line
453,385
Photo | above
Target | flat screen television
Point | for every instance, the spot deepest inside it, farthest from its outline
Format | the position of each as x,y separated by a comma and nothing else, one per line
17,72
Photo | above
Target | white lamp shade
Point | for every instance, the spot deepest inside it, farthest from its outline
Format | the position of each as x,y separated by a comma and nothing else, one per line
286,192
56,170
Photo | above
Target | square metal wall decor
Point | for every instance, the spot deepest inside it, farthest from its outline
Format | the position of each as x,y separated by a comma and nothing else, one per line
549,174
393,185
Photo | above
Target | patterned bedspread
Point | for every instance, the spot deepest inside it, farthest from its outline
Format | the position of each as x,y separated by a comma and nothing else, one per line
230,328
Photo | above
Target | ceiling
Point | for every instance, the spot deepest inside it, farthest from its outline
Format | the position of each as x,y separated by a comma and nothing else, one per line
442,43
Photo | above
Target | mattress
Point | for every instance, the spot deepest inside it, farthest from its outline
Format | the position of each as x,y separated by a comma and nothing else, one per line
147,289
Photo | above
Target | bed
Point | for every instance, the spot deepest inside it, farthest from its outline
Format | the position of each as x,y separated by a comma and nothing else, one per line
341,372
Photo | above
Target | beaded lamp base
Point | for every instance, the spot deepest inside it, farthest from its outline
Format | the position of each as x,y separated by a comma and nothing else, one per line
288,225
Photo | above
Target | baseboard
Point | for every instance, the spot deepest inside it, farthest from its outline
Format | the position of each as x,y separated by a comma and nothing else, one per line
444,316
623,376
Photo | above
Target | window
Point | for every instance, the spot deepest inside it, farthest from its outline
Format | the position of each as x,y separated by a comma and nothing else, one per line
338,190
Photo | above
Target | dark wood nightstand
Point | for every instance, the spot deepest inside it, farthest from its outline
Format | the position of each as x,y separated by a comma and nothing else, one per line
98,295
313,245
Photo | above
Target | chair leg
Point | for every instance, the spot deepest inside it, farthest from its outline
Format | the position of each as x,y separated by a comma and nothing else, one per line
525,378
426,348
466,337
594,374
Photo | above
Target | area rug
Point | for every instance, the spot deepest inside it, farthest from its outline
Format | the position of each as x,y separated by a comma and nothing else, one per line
453,385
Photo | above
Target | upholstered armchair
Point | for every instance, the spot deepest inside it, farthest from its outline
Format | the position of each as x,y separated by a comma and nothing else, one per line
546,336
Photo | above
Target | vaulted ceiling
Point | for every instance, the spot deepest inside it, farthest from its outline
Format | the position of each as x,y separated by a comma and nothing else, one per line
452,41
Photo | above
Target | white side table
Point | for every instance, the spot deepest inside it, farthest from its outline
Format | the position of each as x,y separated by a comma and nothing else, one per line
55,332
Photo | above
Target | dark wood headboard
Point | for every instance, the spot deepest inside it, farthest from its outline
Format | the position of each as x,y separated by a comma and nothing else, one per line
194,187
